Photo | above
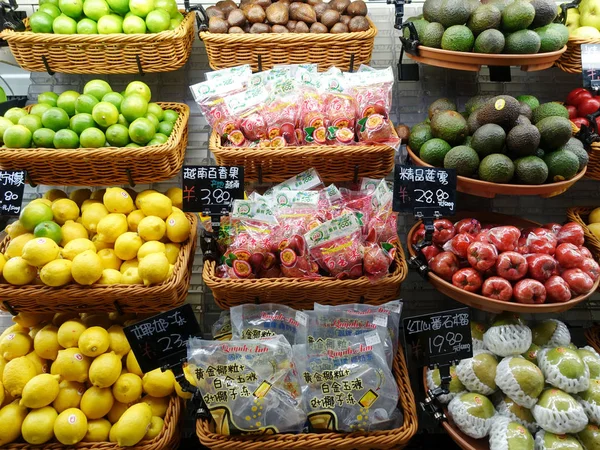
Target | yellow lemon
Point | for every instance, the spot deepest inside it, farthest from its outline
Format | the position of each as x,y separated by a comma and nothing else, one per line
128,388
142,195
69,395
156,204
2,262
17,373
14,345
110,276
134,218
594,216
132,263
105,370
70,426
132,426
16,328
151,228
2,364
178,227
98,430
27,320
72,230
55,194
88,202
92,214
154,268
151,247
15,229
98,195
71,365
158,383
132,365
159,405
101,245
94,341
127,245
109,259
117,200
43,201
40,251
116,411
111,227
87,268
11,418
595,229
56,273
64,209
80,195
156,426
16,271
118,341
96,402
172,252
69,332
176,196
40,364
131,276
15,246
38,426
45,343
40,391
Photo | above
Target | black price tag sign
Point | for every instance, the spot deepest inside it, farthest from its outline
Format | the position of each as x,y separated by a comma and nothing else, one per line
12,186
439,338
161,340
419,187
590,65
211,190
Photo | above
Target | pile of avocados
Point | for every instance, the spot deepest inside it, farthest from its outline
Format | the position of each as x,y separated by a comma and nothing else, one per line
499,26
501,139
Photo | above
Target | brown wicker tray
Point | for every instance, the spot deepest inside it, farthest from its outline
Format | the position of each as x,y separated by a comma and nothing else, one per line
580,215
489,304
168,438
102,53
593,337
570,60
333,162
302,293
490,190
391,439
104,166
593,167
346,51
105,298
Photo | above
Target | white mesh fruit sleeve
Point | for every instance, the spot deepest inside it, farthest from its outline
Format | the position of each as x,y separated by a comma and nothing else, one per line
557,379
472,426
505,411
508,340
508,384
497,435
467,376
560,422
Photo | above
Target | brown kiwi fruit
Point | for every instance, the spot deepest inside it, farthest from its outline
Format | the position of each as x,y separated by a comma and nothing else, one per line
305,13
403,132
301,27
359,23
320,8
345,19
236,30
236,18
339,28
291,25
278,14
318,28
330,18
339,5
256,14
213,11
357,8
217,25
279,29
258,28
226,6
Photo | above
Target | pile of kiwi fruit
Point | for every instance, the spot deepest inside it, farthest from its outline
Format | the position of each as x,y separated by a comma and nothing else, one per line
288,16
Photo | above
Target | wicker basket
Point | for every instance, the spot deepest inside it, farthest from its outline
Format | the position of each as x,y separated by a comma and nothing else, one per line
570,61
105,298
580,215
104,166
346,51
593,167
593,337
302,293
391,439
168,438
333,162
102,53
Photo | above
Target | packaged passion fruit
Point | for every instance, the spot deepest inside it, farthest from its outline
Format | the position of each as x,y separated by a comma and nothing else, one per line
250,321
249,386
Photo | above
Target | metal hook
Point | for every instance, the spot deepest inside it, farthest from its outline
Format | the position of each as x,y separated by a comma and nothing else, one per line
130,178
9,308
47,66
139,64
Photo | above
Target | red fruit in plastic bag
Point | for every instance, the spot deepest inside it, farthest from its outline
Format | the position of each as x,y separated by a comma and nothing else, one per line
553,226
254,127
288,132
505,238
376,261
590,267
522,246
483,237
444,265
579,282
459,244
430,252
541,266
444,231
482,256
344,136
529,291
418,235
467,279
568,255
269,261
376,128
571,233
241,269
511,265
470,226
237,138
497,288
557,290
340,110
541,240
585,252
288,257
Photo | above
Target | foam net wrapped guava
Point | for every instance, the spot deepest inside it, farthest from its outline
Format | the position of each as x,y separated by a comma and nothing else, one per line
455,387
472,414
590,400
508,336
559,413
545,440
551,333
563,368
506,435
591,358
520,379
507,407
477,331
478,373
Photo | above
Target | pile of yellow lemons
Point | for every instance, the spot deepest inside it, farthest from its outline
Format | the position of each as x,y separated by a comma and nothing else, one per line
109,236
71,378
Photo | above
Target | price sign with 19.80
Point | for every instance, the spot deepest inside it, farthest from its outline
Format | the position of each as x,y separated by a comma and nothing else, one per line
418,187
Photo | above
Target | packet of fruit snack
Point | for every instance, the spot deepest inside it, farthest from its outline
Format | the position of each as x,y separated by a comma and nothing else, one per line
243,73
281,112
335,246
221,329
245,109
340,108
295,68
304,181
249,386
250,321
346,384
312,120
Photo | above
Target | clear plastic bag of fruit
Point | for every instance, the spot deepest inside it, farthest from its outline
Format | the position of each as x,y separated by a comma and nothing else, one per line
377,260
282,111
347,384
221,329
243,73
246,110
251,321
340,109
249,386
304,181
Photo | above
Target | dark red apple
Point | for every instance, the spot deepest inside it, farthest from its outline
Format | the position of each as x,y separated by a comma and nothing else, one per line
591,267
541,266
529,291
497,288
568,255
579,282
588,106
444,231
467,279
580,121
471,226
581,97
459,244
505,238
572,111
430,252
444,265
557,290
482,256
571,233
574,93
542,240
511,265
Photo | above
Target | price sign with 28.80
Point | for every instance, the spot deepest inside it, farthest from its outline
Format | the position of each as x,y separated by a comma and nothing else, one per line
418,187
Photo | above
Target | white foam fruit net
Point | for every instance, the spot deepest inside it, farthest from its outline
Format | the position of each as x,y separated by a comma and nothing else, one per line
497,435
505,411
560,422
508,340
554,377
472,426
561,336
507,382
539,440
469,379
478,344
592,409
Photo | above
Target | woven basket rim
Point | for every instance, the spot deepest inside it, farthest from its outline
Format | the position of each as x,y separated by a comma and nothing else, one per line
592,335
579,41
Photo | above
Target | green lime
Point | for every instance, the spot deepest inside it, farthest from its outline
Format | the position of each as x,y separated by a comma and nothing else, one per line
154,108
14,114
141,7
92,138
87,26
48,98
55,119
175,24
48,229
154,142
165,128
43,138
152,118
111,24
17,136
33,214
50,9
64,24
94,9
133,145
85,103
141,131
66,139
4,125
67,101
51,2
97,88
119,6
161,137
123,120
31,121
41,22
81,121
138,87
178,17
117,135
169,6
134,106
113,97
71,8
158,20
134,25
39,109
170,115
105,114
